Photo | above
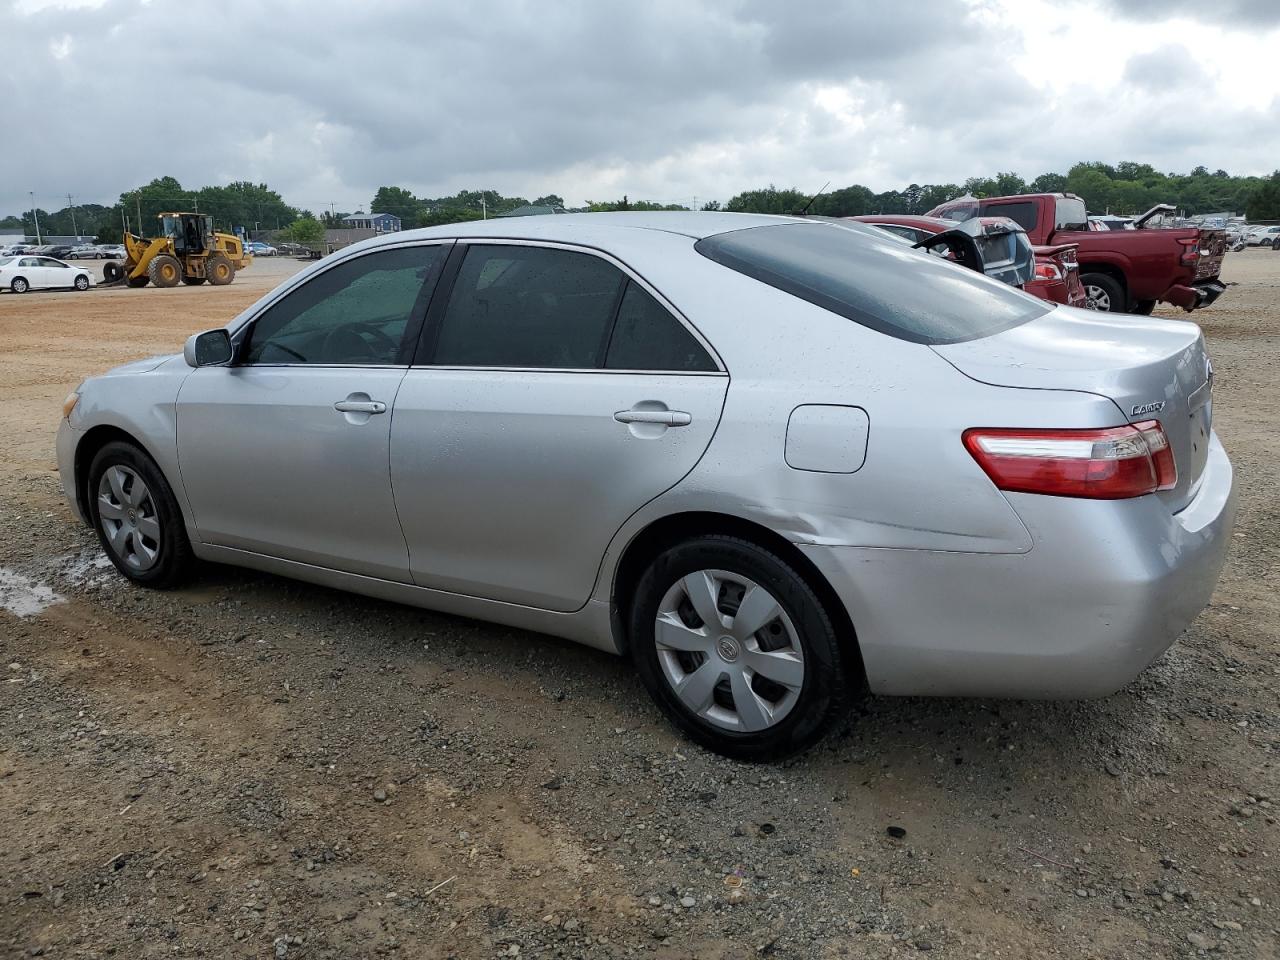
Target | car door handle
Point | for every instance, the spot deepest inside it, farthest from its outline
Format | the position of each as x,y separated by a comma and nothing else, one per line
668,418
360,406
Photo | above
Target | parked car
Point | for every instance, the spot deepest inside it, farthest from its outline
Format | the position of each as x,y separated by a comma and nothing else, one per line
1262,236
259,249
113,251
56,250
22,273
766,458
1122,270
87,251
1056,276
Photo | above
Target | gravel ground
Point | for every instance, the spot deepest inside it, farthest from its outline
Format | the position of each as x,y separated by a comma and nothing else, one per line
252,767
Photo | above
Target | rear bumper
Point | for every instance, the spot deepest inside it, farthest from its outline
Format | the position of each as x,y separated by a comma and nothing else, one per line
1107,587
1194,296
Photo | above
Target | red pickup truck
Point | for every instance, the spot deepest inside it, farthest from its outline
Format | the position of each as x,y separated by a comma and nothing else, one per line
1123,271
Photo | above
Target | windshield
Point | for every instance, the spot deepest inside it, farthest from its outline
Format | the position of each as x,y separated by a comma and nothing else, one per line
5,261
870,278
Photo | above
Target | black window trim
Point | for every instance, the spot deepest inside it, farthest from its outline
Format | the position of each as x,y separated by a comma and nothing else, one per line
423,358
241,335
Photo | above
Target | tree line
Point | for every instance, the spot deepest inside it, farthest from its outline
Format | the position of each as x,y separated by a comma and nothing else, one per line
1123,188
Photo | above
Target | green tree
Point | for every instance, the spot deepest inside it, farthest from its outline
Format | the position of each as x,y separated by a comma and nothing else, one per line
397,201
305,230
768,200
550,200
10,223
1049,183
1264,202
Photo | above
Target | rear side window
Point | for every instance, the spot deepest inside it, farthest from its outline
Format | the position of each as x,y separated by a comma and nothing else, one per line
1070,214
874,280
648,337
1023,213
517,306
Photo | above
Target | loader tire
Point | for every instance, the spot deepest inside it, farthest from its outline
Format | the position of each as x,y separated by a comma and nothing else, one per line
164,271
139,281
219,270
193,281
112,272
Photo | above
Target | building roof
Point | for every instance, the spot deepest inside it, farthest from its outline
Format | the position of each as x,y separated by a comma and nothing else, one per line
369,216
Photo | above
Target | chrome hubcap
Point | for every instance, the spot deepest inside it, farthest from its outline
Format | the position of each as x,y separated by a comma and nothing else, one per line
729,650
128,517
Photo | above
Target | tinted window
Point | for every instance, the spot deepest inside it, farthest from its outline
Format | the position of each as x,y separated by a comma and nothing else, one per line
906,233
648,337
355,312
873,280
517,306
1023,213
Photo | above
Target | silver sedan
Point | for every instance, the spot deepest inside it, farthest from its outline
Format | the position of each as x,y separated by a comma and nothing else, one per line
775,462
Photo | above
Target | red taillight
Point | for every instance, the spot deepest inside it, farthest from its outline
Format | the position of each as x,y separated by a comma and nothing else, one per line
1048,270
1190,249
1107,464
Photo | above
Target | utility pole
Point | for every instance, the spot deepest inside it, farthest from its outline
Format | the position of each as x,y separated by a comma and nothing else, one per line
35,216
484,209
74,228
124,223
137,199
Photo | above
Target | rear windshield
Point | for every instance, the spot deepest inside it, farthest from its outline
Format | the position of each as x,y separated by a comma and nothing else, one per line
1023,212
874,280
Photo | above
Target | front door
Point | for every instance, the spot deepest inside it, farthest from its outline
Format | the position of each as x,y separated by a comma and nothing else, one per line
560,397
285,453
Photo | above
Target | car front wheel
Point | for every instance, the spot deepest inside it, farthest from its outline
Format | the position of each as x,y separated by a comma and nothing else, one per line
737,649
82,283
137,518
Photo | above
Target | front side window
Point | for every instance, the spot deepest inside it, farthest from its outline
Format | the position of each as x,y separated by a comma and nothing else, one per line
518,306
647,337
354,313
1070,214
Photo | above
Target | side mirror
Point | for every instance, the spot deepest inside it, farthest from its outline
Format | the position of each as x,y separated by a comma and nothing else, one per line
209,349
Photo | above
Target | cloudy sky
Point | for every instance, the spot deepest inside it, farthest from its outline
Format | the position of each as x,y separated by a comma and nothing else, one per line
659,99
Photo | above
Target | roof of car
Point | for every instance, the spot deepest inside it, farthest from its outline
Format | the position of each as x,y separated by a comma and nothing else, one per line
695,224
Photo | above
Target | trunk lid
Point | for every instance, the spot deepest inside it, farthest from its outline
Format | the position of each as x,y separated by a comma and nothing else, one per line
1151,369
1213,246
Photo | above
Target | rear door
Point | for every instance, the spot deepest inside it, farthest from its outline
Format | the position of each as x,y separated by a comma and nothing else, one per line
554,396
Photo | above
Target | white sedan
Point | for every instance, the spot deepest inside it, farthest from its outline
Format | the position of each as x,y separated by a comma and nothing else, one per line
20,274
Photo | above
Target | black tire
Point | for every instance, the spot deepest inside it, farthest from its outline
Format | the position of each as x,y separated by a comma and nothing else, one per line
1275,244
1107,294
174,560
138,281
826,689
164,271
220,270
19,285
193,281
112,271
81,283
1143,307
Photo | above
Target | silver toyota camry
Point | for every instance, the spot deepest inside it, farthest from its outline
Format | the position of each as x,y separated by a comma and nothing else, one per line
773,461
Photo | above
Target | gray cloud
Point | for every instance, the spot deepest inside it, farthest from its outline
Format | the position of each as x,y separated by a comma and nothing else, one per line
1262,13
663,100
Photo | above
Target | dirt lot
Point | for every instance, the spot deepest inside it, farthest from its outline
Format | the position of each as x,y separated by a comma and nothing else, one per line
251,767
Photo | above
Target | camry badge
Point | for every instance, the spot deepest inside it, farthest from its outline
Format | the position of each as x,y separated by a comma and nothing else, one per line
1155,406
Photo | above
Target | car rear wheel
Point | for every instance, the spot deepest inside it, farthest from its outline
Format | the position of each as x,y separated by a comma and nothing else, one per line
82,283
1144,307
736,649
1104,293
19,285
137,518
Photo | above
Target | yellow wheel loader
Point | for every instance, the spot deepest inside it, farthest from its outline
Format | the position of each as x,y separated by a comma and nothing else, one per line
187,251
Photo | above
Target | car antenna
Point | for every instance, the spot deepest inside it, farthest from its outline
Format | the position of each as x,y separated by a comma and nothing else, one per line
813,198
